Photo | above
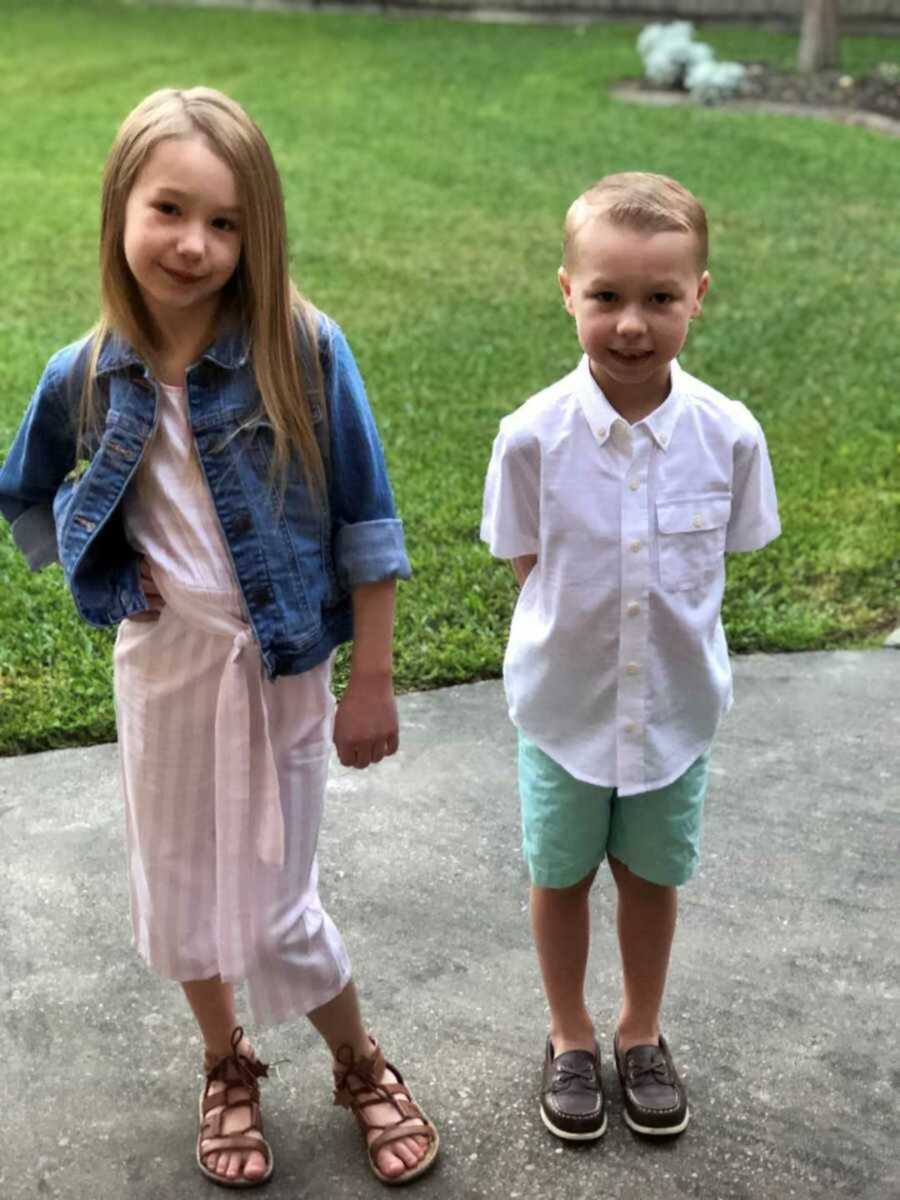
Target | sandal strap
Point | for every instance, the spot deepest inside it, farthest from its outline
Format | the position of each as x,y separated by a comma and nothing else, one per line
225,1098
393,1133
235,1067
366,1068
211,1125
228,1143
410,1120
239,1074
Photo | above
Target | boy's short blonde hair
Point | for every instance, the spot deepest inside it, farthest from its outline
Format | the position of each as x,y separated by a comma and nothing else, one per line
642,201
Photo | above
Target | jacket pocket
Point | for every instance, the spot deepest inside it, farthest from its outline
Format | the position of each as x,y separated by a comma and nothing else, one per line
691,539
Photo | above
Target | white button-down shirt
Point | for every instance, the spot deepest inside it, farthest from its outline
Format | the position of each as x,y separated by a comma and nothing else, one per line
617,665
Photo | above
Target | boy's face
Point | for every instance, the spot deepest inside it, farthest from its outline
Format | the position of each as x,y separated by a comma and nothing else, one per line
632,295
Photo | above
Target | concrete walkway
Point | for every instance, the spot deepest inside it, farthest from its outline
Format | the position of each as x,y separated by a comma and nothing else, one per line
782,1003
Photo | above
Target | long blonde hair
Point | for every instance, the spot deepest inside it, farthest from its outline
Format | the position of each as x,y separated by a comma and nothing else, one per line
260,296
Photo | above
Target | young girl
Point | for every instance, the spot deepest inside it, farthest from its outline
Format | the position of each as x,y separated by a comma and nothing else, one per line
206,468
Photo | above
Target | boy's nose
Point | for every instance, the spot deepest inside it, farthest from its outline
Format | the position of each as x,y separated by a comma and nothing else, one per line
631,321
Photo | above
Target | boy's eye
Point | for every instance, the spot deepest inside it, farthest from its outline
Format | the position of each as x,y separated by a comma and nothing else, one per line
605,297
662,298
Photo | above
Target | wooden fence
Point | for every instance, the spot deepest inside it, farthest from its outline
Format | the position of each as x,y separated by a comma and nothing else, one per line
876,15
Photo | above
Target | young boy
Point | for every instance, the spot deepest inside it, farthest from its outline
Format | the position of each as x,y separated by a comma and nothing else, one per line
616,493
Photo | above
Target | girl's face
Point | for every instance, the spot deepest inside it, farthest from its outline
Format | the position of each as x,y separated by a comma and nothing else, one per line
183,230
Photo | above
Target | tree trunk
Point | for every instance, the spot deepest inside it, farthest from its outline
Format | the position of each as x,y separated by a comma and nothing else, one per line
818,36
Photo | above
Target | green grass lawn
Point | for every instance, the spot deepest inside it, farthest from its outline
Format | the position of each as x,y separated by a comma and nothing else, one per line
427,166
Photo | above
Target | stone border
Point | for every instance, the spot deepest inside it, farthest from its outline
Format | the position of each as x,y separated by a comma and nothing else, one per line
633,93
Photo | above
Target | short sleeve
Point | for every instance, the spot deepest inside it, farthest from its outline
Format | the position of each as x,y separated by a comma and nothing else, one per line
510,517
754,507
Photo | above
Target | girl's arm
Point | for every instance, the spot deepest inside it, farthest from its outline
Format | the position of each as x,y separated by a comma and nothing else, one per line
365,726
41,456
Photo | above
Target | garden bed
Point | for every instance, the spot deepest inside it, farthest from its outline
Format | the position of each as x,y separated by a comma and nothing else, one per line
871,100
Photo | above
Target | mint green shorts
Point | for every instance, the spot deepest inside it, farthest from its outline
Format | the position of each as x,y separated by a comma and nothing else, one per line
569,827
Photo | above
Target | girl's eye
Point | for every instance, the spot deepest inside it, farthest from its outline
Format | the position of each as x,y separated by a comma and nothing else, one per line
167,208
224,225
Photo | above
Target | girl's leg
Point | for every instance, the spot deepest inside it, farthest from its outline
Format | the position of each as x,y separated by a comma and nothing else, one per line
646,916
212,1003
340,1024
560,923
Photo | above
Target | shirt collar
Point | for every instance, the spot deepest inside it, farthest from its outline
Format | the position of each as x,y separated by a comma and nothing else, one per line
603,418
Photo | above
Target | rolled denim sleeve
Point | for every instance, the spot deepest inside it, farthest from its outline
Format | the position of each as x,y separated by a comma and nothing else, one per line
368,536
42,454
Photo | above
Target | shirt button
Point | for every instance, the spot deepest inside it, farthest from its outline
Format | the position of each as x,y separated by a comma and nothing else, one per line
698,521
634,484
633,608
632,668
631,727
601,431
634,547
663,439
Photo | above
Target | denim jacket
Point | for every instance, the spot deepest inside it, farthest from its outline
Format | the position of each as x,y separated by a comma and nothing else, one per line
295,559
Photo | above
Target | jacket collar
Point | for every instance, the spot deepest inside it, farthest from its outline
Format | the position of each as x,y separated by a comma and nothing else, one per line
230,350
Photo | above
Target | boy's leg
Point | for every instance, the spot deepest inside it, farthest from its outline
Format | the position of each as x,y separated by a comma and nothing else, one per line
655,1097
560,924
564,829
653,849
572,1102
645,918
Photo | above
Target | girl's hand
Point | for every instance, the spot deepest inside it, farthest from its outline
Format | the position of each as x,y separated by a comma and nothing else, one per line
365,725
151,591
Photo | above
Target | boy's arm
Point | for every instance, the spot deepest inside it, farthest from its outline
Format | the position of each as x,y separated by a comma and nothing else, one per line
522,565
754,505
510,522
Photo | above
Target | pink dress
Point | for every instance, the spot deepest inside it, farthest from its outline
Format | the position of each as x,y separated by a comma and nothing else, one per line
223,770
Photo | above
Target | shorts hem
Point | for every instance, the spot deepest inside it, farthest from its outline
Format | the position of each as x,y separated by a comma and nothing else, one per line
559,879
654,875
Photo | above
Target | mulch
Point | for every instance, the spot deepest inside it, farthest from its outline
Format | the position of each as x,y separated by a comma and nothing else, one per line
872,100
878,92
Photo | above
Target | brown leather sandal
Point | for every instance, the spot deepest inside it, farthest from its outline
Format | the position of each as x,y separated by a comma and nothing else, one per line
367,1070
239,1074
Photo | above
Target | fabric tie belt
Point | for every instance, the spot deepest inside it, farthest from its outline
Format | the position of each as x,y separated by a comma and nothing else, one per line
247,788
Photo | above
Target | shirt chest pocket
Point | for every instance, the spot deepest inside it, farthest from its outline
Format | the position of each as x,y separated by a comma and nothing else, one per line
691,539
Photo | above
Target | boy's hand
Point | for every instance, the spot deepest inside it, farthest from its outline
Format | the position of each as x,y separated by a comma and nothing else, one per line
522,566
152,594
366,726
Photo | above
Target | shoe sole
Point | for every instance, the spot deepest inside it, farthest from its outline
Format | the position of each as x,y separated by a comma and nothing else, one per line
655,1130
568,1136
